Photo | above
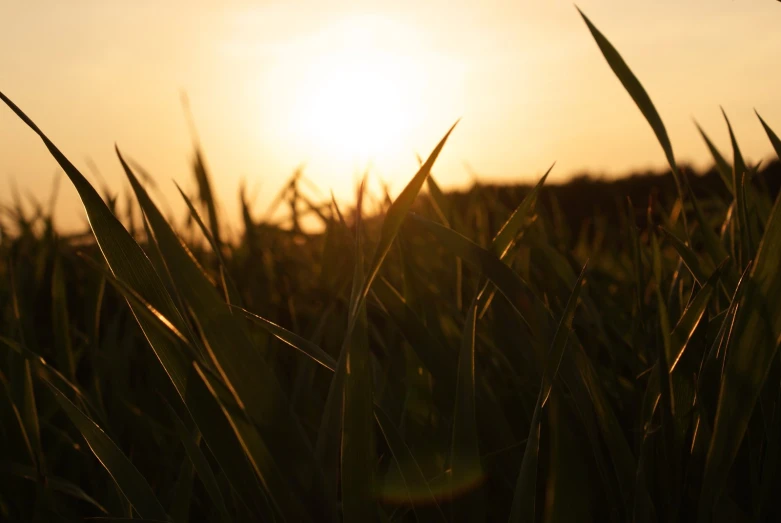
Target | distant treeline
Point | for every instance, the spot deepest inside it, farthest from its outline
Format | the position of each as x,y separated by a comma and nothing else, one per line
583,197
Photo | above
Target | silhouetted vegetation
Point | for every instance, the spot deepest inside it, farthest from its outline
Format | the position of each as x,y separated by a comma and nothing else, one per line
593,351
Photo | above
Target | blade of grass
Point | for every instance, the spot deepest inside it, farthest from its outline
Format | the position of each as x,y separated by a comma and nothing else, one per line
506,236
279,490
690,319
643,101
722,167
142,307
314,352
465,465
23,445
125,257
358,453
250,379
524,498
49,373
226,448
395,217
128,479
191,441
437,359
232,295
740,170
698,269
751,351
31,419
669,426
774,140
61,322
508,282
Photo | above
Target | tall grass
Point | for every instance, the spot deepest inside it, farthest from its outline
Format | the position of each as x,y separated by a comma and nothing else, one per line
462,362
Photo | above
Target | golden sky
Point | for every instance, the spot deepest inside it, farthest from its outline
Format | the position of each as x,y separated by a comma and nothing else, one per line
340,86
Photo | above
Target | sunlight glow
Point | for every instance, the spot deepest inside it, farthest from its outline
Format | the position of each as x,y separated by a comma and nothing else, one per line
359,100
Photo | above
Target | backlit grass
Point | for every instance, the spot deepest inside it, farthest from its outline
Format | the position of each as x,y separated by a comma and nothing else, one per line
444,360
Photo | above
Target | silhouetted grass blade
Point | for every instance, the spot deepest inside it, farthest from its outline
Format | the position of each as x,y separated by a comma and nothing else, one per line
232,295
505,238
508,282
523,504
302,345
772,136
396,215
124,256
191,441
466,470
757,330
250,379
722,166
127,477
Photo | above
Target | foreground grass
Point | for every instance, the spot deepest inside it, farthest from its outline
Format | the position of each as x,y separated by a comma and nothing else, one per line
459,363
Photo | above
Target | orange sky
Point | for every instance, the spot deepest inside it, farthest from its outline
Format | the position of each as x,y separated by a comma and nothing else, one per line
344,85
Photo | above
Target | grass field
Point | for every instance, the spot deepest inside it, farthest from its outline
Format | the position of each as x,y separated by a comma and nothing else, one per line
445,359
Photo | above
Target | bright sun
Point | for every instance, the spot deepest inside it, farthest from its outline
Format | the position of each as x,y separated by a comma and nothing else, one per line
359,99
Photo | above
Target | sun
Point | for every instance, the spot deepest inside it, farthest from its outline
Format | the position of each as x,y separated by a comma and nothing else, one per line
358,101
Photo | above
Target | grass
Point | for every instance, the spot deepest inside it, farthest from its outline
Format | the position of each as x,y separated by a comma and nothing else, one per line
445,360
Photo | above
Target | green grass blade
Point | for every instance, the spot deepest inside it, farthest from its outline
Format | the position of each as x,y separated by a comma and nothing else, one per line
507,281
505,238
206,193
232,295
196,456
61,322
524,498
754,344
722,166
633,87
438,198
774,140
395,217
311,350
697,268
22,445
49,373
330,434
690,319
508,234
280,491
124,256
358,453
30,416
224,445
739,171
122,471
437,359
560,339
465,464
643,101
139,304
669,425
250,379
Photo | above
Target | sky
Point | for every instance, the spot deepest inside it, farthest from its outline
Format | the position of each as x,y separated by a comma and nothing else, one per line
339,87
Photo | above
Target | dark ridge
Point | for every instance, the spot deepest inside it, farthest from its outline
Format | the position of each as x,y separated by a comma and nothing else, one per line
583,196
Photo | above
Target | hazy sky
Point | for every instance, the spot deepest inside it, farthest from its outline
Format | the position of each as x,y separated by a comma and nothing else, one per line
340,85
